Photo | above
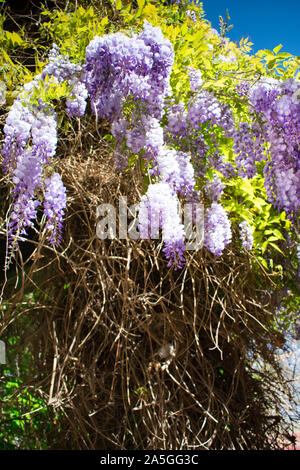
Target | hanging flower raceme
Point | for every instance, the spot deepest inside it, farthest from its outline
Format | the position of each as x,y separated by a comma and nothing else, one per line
276,102
60,69
54,206
263,94
195,78
17,132
26,177
177,127
128,79
246,235
158,209
214,189
30,143
298,258
249,149
174,167
76,103
217,229
192,127
118,66
206,109
44,134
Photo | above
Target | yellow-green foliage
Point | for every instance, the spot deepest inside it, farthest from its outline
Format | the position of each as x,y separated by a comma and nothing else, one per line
72,31
12,71
47,91
282,64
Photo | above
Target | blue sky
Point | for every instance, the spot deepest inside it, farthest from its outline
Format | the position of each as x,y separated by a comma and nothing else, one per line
267,23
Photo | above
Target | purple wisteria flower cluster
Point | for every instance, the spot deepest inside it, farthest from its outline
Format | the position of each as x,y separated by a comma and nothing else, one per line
214,189
246,235
128,80
275,106
195,78
276,122
60,69
119,67
249,147
277,103
158,209
217,229
298,252
192,127
29,145
54,206
272,137
27,176
298,258
174,167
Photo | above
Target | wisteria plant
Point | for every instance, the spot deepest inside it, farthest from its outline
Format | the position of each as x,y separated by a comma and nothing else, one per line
150,340
192,147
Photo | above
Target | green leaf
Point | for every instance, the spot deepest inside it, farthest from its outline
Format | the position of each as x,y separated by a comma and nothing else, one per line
104,21
118,5
272,239
276,248
197,37
284,55
277,49
259,203
263,262
268,53
276,233
271,63
35,93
